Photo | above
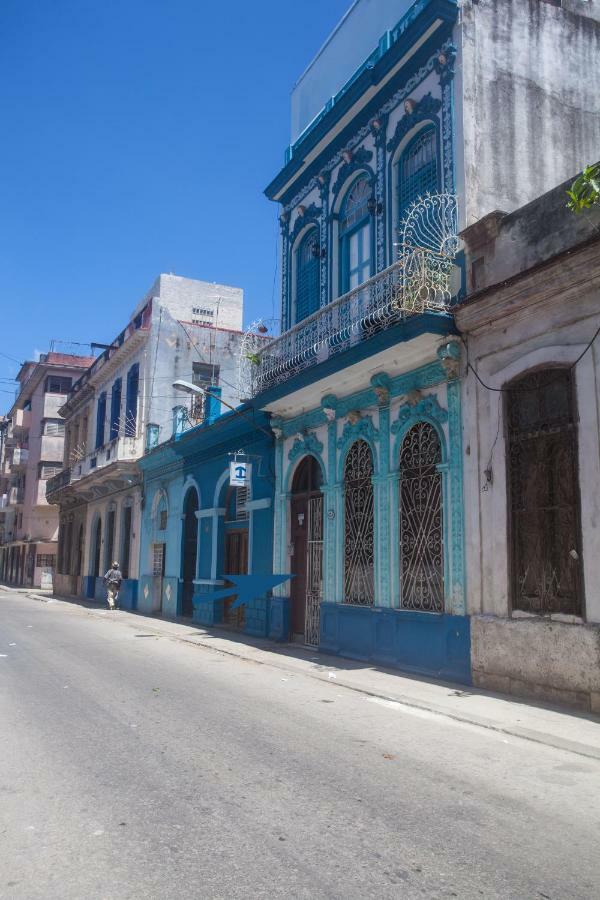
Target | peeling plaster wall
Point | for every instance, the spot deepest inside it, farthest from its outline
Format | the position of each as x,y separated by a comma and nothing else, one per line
530,103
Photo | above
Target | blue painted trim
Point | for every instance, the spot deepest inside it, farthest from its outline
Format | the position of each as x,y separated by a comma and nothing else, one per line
420,643
279,619
444,10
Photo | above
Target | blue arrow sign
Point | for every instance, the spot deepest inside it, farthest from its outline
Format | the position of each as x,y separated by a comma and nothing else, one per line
249,587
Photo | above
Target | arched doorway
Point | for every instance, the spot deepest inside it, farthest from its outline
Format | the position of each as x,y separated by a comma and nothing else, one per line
190,551
307,559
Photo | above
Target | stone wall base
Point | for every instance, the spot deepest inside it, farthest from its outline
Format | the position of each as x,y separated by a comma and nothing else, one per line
538,658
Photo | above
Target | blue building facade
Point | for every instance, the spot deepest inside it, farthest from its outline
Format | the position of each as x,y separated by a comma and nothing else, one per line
197,529
363,385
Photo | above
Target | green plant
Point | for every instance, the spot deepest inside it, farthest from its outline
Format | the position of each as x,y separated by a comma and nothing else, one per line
254,358
585,190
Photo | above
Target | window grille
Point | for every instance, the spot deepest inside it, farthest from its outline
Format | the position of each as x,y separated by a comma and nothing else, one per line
206,376
421,545
49,471
359,556
544,494
307,276
45,560
158,559
418,170
58,385
236,499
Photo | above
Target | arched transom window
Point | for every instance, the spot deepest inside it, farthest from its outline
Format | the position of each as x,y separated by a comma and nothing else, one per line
355,235
418,169
421,544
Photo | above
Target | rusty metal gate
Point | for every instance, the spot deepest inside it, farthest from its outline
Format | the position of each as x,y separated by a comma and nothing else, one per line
543,488
314,571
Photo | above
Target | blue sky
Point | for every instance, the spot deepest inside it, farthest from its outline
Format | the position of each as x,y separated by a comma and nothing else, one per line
138,136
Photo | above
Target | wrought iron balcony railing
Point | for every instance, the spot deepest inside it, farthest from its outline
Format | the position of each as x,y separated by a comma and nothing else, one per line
418,282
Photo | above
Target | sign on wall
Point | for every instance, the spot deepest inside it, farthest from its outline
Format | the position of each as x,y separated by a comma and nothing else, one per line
239,473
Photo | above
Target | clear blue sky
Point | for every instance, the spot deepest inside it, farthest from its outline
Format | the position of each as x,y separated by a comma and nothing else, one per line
137,137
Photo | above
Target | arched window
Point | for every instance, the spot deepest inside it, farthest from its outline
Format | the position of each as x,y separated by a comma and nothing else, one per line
355,235
307,275
421,544
418,169
544,494
359,581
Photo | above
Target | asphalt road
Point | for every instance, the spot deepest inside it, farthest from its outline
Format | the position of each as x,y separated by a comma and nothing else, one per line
135,767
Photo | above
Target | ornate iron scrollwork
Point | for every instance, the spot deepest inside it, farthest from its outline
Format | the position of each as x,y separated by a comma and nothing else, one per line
358,533
421,546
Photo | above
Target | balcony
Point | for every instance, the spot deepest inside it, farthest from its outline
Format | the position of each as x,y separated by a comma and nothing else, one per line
21,421
20,457
110,463
52,404
40,493
419,282
52,447
3,501
6,466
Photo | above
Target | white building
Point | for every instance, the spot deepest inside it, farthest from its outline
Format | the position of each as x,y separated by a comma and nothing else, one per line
124,404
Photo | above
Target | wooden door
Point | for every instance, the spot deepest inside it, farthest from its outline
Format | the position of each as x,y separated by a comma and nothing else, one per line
236,563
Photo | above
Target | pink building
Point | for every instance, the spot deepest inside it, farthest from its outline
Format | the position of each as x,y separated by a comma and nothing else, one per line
32,451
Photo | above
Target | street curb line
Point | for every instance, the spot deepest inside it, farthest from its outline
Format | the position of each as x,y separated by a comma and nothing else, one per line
538,737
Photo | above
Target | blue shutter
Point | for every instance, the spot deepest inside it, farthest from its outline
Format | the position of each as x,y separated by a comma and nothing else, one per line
115,409
307,277
213,404
418,169
100,418
133,378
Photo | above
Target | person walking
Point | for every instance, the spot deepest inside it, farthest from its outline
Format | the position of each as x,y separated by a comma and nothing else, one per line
112,582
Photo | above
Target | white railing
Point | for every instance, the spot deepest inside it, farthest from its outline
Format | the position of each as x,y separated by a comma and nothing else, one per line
419,281
122,448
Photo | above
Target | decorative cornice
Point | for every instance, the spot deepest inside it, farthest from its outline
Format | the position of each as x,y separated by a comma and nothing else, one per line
306,445
354,160
449,356
444,64
428,407
363,428
416,111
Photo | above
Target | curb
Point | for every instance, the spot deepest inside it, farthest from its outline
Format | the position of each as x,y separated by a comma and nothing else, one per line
539,737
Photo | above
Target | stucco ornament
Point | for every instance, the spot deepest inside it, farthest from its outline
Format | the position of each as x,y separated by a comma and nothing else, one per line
305,445
427,408
359,159
363,428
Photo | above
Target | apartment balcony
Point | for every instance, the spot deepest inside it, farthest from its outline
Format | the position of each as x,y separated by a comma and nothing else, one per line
52,447
52,404
20,457
110,467
417,284
6,466
3,501
40,498
21,421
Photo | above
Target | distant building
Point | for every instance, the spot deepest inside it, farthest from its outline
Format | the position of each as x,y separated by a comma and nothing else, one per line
124,405
532,450
32,452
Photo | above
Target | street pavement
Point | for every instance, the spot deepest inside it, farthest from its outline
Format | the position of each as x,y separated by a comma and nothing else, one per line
136,765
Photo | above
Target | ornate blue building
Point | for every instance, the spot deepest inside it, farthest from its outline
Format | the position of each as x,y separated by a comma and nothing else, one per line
363,383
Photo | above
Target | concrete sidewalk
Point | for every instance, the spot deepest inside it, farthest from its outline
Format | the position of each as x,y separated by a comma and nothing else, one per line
565,729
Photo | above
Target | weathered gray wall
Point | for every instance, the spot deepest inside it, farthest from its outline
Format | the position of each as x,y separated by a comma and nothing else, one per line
530,102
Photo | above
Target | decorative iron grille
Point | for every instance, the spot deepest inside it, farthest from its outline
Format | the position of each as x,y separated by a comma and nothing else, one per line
314,571
421,546
358,526
544,506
